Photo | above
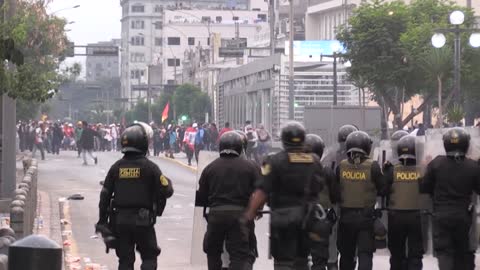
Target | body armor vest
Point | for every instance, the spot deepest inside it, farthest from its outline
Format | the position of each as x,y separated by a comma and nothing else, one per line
405,194
357,188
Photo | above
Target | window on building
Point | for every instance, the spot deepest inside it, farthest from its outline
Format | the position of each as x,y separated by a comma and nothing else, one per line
173,41
218,19
235,18
137,41
158,41
191,41
158,9
206,19
158,25
262,17
137,57
136,74
138,24
138,8
171,62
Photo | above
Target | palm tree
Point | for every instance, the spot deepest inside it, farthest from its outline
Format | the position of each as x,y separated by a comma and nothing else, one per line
437,64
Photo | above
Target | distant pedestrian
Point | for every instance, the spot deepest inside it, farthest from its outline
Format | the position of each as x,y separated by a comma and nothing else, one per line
78,135
199,141
224,130
57,138
213,137
189,142
87,142
38,141
114,133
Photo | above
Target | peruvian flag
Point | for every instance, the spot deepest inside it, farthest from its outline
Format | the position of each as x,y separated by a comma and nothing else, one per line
165,112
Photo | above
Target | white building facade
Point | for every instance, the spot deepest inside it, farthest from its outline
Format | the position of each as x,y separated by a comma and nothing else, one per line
102,67
157,33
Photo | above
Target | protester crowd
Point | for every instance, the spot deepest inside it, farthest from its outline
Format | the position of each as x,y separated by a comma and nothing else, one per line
54,136
51,137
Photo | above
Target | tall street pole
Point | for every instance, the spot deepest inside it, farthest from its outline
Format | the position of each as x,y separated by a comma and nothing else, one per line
7,124
335,80
271,8
291,93
457,66
149,93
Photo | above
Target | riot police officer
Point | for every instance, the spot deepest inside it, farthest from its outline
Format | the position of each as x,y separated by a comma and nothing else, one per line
334,158
451,181
226,185
290,180
360,181
404,206
319,246
134,193
396,136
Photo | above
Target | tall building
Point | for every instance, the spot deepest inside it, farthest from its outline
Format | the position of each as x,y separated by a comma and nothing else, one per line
102,67
323,17
157,34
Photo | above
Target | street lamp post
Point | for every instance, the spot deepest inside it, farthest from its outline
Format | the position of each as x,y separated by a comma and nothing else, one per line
291,90
457,18
67,8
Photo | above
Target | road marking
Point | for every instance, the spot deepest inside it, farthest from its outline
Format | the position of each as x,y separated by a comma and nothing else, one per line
193,169
180,195
177,206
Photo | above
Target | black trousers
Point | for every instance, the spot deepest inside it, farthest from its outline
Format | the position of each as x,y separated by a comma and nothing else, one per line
356,236
451,239
289,248
143,239
405,226
225,227
320,251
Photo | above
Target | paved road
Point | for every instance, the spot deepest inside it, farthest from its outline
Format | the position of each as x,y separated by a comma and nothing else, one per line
62,176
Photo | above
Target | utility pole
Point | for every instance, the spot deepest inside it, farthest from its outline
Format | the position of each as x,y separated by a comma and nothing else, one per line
335,80
291,93
149,94
271,8
237,38
7,125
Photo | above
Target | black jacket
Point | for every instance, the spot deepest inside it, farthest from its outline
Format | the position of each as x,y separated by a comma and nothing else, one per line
227,181
451,183
87,139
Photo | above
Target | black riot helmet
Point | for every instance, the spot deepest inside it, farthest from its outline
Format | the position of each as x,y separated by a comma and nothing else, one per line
344,131
231,143
359,142
397,135
244,139
456,142
314,144
134,139
406,148
293,135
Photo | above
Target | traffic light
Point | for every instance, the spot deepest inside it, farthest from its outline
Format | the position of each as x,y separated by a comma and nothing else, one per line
184,118
70,51
8,52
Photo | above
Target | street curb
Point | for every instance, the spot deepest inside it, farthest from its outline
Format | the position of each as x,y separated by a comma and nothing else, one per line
193,169
70,253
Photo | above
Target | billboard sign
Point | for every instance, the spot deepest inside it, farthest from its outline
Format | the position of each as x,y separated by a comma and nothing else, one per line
314,48
232,47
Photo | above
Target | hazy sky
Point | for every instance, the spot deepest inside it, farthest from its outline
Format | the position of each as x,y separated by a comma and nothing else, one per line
95,20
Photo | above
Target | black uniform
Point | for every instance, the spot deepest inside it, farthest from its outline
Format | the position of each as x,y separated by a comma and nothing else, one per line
139,192
328,197
451,183
359,186
290,179
225,187
404,216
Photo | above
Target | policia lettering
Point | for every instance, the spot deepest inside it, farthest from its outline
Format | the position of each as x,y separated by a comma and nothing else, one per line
129,173
358,191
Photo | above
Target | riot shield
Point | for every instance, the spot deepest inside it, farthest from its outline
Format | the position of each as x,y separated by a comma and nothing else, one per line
474,153
198,257
433,147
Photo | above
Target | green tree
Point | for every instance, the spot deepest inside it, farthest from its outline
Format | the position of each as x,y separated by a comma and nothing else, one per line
191,101
437,63
41,39
387,43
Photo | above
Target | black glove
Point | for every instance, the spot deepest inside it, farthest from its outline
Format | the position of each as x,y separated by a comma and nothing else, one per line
387,165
